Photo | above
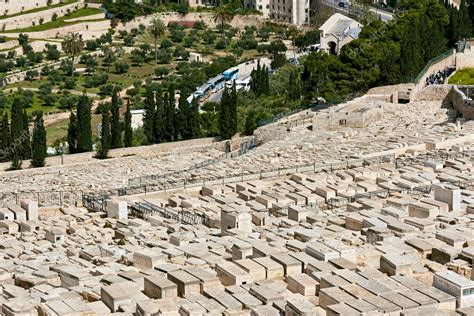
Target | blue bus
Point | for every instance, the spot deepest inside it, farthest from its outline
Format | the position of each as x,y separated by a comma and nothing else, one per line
231,73
203,90
217,82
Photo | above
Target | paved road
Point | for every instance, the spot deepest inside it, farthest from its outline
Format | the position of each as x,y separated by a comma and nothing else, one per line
384,15
245,69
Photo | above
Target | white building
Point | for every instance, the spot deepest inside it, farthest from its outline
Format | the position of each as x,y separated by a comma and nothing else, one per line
338,31
260,5
290,11
137,118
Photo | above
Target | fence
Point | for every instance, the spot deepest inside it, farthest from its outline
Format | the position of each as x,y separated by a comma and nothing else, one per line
432,62
46,198
252,175
244,148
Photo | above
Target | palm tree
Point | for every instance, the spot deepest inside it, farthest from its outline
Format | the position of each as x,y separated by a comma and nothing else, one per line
222,15
292,34
156,29
72,45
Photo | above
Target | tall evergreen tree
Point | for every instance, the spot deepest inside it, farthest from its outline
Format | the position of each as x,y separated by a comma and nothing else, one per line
128,132
105,135
169,109
72,133
158,121
195,119
26,144
183,117
39,148
149,116
233,111
84,129
223,114
411,51
6,138
16,132
115,129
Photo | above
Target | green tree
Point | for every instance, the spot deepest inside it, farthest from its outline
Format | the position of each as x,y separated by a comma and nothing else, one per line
156,30
169,108
26,144
72,133
73,45
183,117
5,138
128,131
105,136
149,116
115,129
84,129
223,15
39,148
17,134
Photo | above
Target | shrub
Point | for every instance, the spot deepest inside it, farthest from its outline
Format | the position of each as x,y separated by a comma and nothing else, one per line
96,80
31,75
69,83
121,67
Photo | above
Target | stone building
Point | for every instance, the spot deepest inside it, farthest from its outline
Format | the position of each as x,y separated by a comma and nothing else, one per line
338,31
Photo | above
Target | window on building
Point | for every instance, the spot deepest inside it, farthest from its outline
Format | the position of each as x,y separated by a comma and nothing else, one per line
468,292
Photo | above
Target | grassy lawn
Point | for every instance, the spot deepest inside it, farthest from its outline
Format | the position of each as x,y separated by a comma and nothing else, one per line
463,77
66,2
61,21
56,131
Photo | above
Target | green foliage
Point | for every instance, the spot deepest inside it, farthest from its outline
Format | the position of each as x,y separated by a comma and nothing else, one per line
105,138
128,132
115,129
84,129
39,142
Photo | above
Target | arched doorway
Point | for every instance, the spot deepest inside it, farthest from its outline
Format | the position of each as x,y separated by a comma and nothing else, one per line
332,48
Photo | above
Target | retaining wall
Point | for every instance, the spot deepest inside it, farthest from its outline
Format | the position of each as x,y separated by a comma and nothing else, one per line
31,19
8,7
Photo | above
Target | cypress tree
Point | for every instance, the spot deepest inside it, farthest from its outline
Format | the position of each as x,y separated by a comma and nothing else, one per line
6,138
26,144
158,122
72,133
16,132
465,23
195,120
411,53
39,149
128,132
116,141
84,129
233,111
183,117
149,116
223,114
105,135
169,108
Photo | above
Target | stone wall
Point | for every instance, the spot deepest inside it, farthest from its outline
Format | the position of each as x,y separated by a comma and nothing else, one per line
153,150
461,103
465,59
31,19
17,6
449,61
87,29
207,17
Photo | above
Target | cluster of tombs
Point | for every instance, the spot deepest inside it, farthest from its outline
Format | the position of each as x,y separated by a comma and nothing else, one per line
373,240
